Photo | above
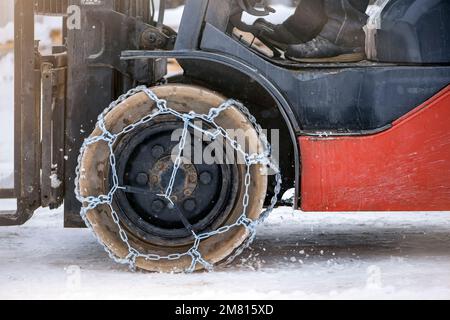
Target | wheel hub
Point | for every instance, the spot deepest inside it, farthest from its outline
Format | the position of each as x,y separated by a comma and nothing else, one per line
201,193
185,184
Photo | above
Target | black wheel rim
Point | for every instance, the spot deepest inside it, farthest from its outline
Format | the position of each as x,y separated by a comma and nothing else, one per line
204,194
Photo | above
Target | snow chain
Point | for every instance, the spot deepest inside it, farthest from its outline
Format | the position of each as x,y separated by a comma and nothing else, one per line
92,202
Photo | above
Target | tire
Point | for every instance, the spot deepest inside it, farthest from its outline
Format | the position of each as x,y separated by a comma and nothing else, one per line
95,180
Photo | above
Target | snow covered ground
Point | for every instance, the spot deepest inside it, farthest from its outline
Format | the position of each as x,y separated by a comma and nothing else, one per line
296,255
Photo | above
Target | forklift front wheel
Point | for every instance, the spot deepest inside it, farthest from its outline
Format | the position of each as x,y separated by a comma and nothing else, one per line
206,196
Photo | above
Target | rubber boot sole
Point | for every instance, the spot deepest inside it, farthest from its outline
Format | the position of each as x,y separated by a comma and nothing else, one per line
348,57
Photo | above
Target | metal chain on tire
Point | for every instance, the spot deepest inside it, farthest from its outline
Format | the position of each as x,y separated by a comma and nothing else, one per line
264,158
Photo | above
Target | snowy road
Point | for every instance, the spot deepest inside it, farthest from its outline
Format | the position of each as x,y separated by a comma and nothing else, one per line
297,255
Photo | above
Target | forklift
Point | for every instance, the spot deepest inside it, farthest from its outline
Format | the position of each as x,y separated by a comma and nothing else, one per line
98,113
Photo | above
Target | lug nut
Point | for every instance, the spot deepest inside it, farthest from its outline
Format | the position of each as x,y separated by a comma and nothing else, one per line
154,179
189,205
157,151
142,179
192,178
206,178
158,205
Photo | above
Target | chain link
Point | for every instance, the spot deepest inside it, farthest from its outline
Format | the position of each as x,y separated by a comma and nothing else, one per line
93,202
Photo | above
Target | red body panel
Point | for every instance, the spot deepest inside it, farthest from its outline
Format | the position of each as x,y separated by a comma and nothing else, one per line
406,168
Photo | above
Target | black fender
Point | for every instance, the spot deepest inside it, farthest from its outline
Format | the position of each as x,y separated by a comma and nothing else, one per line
242,68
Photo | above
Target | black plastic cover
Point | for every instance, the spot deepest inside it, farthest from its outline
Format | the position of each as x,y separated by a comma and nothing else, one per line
414,31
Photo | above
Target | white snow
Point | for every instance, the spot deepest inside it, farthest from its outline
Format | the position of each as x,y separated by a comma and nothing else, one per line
6,120
172,17
7,33
55,182
296,256
43,28
288,196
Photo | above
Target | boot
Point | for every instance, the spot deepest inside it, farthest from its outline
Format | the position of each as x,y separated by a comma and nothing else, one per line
342,38
273,35
322,50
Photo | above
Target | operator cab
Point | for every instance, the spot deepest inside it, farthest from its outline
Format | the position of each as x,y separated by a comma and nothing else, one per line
397,32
